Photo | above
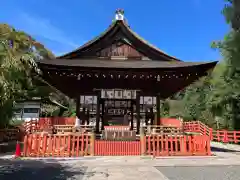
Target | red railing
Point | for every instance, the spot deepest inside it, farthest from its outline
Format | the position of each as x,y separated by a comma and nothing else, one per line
178,145
43,122
117,148
47,123
193,126
215,135
171,122
56,145
84,145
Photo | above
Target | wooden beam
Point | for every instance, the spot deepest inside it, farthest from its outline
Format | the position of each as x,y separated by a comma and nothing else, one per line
98,113
158,109
138,111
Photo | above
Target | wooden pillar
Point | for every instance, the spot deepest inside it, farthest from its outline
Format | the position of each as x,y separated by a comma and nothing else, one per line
142,141
92,143
138,111
78,106
98,112
158,109
131,116
103,109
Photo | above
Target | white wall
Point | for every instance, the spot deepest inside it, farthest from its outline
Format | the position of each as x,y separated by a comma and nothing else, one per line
27,110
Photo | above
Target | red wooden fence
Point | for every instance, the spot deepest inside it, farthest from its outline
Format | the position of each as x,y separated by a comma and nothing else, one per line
84,145
215,135
157,145
56,145
194,126
117,148
46,121
171,122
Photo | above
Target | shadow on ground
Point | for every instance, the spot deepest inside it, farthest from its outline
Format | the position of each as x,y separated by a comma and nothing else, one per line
218,149
39,170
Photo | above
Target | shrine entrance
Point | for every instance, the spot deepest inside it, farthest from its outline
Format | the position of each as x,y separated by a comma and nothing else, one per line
107,107
118,107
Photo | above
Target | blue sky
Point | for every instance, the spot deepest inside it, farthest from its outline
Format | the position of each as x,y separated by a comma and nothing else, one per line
184,29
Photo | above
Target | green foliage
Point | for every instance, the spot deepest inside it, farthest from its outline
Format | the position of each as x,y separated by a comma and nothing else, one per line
215,100
164,108
19,74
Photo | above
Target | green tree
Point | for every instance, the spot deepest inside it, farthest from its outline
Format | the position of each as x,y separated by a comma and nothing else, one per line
18,55
225,99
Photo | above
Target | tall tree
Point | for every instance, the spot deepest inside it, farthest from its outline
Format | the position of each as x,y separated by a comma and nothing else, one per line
225,99
18,55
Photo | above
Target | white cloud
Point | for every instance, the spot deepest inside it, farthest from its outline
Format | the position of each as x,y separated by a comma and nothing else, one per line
42,27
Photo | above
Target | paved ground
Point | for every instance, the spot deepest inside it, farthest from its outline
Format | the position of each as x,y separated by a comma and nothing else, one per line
224,166
129,168
201,173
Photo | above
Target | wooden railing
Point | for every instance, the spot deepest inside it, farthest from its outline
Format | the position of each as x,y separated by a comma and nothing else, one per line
56,121
158,145
63,129
191,127
118,133
56,145
214,135
36,145
166,130
117,148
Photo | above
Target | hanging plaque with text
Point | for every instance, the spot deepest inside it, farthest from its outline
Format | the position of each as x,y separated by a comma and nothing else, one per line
118,94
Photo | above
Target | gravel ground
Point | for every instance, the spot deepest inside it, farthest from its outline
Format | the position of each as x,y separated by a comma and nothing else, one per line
201,173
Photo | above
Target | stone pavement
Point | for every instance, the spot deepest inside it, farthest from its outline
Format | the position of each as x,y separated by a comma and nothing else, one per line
230,147
116,168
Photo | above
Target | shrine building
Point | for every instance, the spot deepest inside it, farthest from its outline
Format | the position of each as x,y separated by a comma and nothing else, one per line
119,70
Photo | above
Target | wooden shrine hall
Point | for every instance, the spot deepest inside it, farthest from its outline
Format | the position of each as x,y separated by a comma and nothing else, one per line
119,71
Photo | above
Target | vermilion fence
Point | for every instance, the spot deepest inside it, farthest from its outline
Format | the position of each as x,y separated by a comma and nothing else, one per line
193,126
46,121
171,122
56,145
84,145
157,145
117,148
214,135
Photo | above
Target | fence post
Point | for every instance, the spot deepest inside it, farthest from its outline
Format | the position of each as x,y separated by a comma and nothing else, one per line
25,145
92,143
210,134
183,144
235,137
204,131
142,141
225,136
208,146
218,136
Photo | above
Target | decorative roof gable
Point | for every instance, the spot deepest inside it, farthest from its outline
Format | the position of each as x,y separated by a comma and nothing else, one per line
118,31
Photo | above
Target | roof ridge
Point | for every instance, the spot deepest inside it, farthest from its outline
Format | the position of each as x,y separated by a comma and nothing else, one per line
101,35
135,35
147,42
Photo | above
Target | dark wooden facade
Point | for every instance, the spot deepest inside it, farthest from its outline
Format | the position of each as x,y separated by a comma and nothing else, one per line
120,59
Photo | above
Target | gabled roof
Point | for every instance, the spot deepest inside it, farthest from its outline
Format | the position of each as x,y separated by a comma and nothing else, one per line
119,30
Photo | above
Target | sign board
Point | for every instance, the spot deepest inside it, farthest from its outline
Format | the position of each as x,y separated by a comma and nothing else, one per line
118,94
